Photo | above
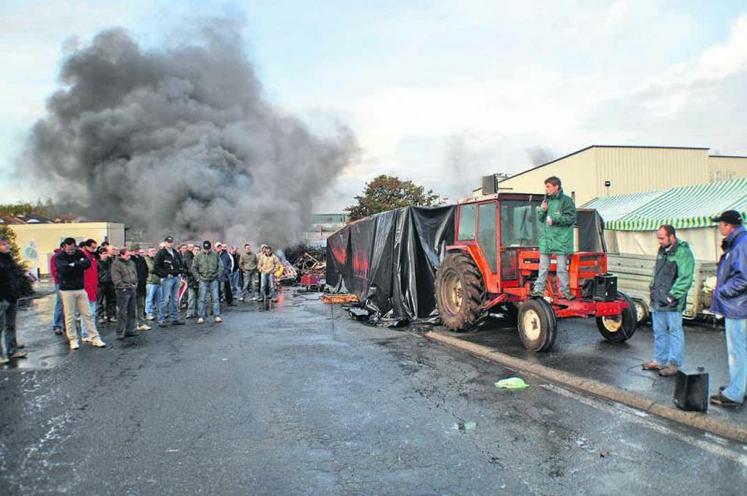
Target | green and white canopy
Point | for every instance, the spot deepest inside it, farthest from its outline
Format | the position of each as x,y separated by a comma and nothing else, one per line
683,207
616,207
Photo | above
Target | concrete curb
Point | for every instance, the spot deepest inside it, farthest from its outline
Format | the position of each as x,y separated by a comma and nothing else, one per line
700,421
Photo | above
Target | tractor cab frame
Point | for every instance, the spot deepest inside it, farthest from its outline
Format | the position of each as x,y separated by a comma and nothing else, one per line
494,260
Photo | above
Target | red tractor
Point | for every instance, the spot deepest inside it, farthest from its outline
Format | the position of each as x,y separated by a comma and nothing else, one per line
495,259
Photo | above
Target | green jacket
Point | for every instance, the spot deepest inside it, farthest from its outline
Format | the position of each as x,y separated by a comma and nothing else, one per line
673,277
558,237
248,261
207,267
152,277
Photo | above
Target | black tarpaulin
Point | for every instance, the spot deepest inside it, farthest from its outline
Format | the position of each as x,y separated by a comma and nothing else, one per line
389,260
590,231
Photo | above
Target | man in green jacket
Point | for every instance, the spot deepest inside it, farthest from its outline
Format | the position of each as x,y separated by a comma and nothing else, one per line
207,269
673,276
557,218
248,266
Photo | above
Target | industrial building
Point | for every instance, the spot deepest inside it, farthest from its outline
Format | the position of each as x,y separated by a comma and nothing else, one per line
602,170
321,227
37,241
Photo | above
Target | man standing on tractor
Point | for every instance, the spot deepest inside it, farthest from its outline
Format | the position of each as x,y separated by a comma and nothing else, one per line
557,216
673,276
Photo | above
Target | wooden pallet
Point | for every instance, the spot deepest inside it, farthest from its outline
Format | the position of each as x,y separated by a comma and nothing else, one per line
336,299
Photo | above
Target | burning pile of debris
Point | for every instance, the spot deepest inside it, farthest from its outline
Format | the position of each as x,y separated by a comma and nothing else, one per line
310,263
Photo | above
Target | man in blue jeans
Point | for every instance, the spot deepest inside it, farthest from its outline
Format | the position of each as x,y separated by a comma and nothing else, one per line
152,287
730,300
168,266
267,264
207,269
673,276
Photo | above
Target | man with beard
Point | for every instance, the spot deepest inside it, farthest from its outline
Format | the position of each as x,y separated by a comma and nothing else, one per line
673,276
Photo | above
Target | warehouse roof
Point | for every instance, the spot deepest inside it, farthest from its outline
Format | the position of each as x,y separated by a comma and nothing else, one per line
617,146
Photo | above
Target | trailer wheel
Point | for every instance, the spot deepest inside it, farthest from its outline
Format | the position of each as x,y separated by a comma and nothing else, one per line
460,292
641,311
621,327
537,325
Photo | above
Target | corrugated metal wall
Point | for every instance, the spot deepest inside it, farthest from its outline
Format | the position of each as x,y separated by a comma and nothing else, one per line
629,170
727,168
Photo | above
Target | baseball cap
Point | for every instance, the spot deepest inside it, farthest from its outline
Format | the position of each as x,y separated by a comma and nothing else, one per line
168,239
206,245
730,217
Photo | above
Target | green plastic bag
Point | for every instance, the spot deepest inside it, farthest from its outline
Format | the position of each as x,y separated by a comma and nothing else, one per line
513,383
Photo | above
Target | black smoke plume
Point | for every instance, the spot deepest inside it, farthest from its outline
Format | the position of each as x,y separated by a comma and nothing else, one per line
181,141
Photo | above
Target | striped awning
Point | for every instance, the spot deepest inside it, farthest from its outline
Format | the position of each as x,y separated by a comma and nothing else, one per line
686,207
616,207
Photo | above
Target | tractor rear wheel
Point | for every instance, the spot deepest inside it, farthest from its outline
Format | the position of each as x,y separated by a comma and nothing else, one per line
537,325
460,292
619,328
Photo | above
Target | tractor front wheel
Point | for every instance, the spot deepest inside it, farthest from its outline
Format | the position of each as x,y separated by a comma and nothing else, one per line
619,328
537,325
460,292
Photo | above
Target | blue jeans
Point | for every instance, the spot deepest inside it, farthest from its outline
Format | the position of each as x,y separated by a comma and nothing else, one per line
152,298
250,276
212,287
83,330
234,278
57,319
265,281
669,338
736,348
169,297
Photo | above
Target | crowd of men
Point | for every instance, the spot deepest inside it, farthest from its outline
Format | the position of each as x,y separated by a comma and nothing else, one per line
130,286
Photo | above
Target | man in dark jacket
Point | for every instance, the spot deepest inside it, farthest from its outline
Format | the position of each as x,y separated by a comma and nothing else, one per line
71,264
106,303
168,266
57,321
235,275
187,258
124,278
227,260
730,300
557,216
141,267
673,276
9,292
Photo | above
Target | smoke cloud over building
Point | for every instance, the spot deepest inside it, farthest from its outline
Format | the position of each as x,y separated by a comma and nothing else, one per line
180,140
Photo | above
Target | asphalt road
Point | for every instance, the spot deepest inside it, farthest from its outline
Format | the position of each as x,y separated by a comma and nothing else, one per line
302,400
